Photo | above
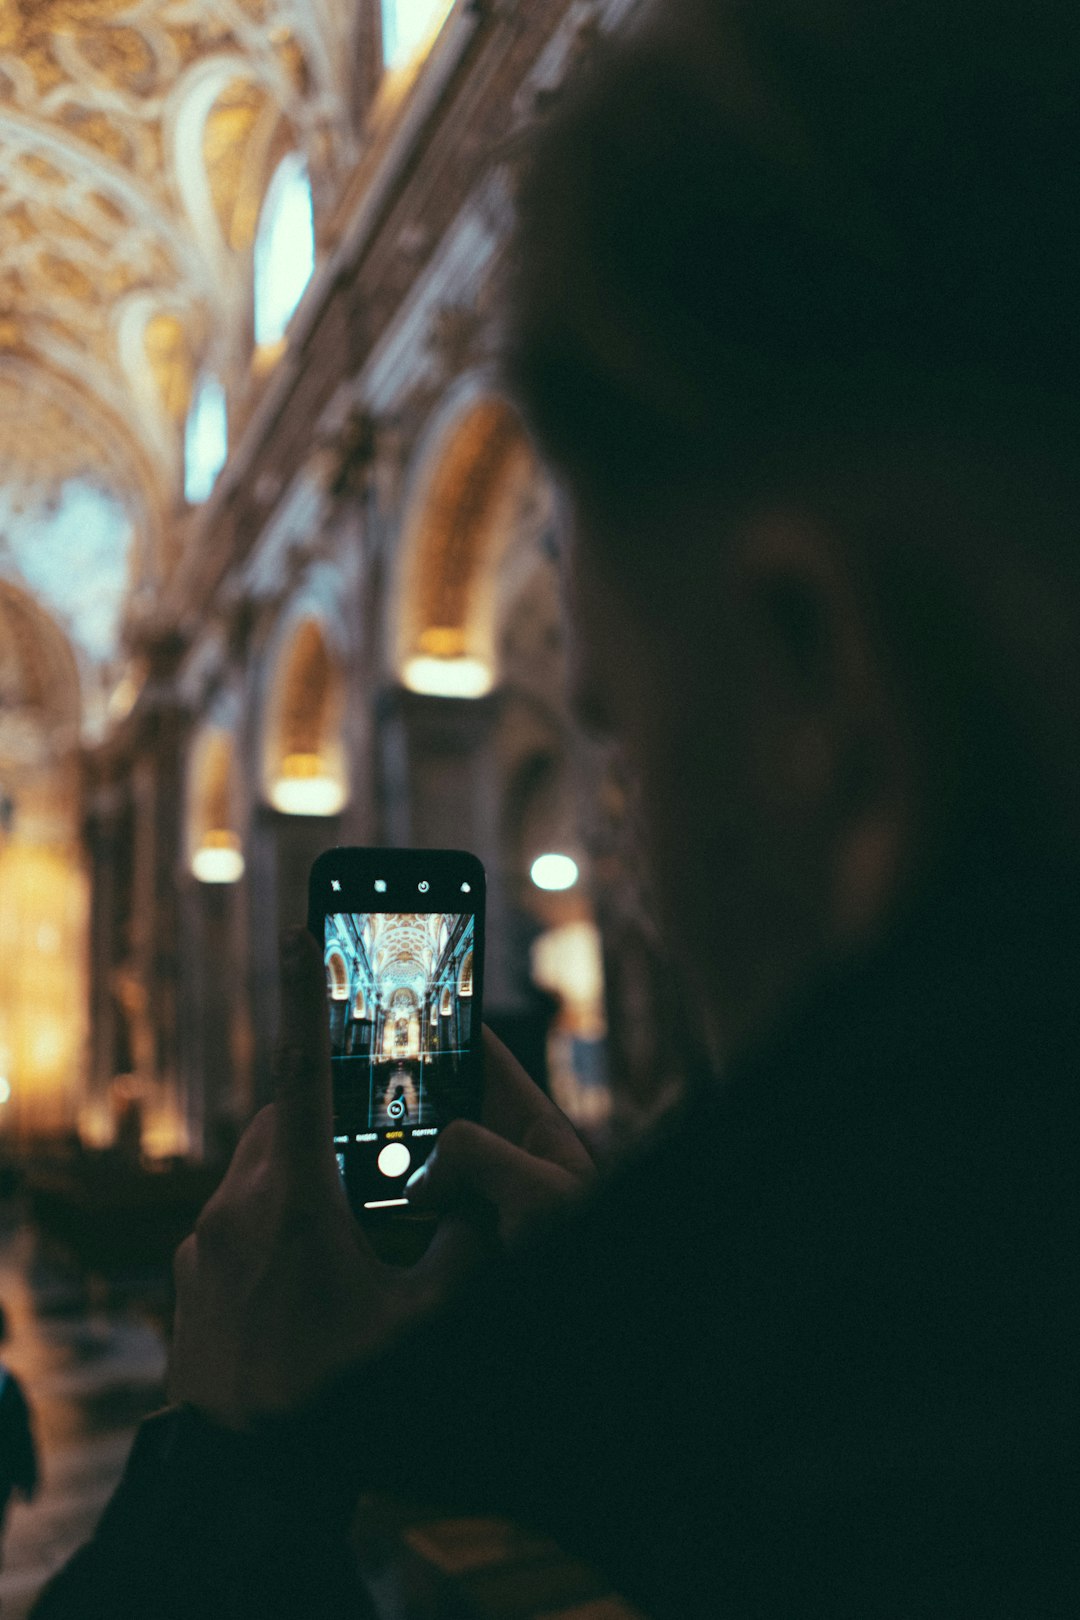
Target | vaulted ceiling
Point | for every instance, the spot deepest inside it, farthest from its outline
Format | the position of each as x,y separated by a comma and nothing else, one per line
137,138
404,949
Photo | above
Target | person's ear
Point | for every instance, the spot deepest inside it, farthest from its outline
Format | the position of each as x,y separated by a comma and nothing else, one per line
835,744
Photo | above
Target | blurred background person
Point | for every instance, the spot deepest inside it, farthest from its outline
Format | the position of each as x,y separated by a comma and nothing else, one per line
18,1453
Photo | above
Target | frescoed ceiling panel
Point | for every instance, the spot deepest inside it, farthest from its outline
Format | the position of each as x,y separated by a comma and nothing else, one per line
137,138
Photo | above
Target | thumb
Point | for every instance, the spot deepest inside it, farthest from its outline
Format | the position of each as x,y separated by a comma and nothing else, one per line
471,1165
303,1117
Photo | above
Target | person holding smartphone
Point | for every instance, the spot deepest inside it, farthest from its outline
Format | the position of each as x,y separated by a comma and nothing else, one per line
795,325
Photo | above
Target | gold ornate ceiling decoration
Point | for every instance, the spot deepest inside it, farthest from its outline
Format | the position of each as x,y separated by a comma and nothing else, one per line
137,138
404,948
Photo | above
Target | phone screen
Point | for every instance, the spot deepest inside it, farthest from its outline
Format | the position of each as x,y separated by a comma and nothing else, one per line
403,990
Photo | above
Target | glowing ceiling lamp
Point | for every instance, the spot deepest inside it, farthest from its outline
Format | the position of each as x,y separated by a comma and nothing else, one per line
218,859
554,872
447,677
306,787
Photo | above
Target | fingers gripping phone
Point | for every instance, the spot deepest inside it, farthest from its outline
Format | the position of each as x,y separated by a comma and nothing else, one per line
402,932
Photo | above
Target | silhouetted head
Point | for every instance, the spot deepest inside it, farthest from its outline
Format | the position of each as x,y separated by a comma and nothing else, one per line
795,324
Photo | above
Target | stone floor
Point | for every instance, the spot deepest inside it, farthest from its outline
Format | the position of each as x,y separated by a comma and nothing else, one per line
91,1362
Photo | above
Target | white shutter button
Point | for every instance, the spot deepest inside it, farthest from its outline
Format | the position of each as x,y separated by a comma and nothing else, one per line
394,1159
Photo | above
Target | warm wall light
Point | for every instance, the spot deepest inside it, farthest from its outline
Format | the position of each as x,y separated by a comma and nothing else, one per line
218,859
447,677
554,872
164,1134
96,1125
5,1089
306,788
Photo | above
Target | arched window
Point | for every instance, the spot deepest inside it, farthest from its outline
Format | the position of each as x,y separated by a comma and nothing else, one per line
206,439
284,249
337,977
406,24
359,1011
465,981
446,1004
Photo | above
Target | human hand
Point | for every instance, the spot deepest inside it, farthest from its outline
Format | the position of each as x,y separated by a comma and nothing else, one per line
278,1288
525,1160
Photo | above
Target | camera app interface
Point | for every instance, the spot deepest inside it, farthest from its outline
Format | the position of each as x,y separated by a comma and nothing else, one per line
401,1002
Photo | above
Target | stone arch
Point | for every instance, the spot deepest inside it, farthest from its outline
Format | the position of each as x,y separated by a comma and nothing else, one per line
472,474
465,979
303,757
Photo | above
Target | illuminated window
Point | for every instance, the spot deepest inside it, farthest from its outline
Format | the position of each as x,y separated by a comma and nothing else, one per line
406,25
284,249
206,440
359,1011
446,1004
465,982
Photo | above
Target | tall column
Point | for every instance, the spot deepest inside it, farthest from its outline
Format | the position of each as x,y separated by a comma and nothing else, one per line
108,841
441,790
150,978
212,1014
281,850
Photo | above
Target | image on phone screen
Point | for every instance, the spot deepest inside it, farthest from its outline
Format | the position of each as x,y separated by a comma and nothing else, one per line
403,997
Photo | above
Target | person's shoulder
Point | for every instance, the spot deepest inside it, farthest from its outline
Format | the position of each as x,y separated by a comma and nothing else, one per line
648,1220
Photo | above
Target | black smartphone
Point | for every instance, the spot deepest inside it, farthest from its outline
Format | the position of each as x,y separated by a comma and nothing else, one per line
402,933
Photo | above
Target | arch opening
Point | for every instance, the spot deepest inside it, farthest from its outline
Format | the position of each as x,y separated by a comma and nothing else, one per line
304,758
215,851
461,519
337,976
